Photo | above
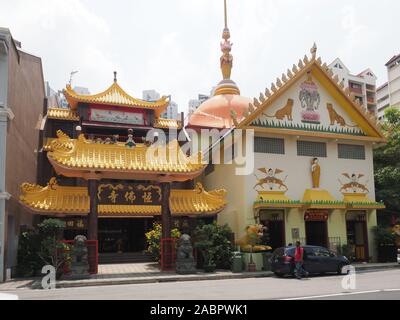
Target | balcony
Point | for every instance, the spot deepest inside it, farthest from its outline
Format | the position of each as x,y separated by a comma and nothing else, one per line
371,100
356,90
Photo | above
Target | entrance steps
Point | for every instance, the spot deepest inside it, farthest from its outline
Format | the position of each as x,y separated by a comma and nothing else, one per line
126,257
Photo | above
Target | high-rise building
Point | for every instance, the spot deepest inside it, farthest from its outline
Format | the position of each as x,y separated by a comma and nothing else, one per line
389,93
172,110
363,85
195,103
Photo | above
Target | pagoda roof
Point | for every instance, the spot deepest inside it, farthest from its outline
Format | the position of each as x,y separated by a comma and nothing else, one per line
82,157
161,123
115,96
61,200
62,114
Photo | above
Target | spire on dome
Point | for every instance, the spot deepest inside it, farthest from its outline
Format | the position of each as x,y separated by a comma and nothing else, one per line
226,86
226,47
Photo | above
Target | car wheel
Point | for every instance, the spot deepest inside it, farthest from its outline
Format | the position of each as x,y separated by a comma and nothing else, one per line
279,275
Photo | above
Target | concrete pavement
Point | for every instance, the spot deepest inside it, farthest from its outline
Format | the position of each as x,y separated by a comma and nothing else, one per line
234,289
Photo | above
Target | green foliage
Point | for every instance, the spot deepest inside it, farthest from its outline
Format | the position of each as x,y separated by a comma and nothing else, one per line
29,261
212,240
41,247
383,236
387,162
153,238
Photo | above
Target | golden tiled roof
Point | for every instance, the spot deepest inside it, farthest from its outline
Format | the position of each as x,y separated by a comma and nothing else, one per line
161,123
62,114
114,96
55,199
87,155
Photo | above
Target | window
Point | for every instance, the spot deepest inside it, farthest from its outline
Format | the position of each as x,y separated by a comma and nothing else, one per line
350,151
311,149
269,145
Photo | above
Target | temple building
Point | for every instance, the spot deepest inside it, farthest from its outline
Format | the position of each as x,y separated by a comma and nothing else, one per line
107,179
313,178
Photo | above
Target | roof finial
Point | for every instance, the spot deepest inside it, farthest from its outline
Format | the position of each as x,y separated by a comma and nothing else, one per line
226,47
314,51
115,76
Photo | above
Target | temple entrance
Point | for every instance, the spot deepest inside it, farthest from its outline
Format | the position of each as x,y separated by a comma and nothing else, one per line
316,222
274,221
123,235
357,235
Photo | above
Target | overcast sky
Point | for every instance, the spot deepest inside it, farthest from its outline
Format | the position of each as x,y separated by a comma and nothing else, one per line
173,46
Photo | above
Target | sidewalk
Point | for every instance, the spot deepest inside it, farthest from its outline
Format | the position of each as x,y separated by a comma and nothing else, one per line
149,273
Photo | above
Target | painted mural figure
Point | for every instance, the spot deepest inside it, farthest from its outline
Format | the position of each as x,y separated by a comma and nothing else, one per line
271,180
310,100
354,184
286,111
315,173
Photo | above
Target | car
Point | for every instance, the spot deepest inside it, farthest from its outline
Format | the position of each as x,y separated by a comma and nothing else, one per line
398,256
317,260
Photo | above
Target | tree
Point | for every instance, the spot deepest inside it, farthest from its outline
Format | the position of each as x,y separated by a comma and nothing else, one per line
387,162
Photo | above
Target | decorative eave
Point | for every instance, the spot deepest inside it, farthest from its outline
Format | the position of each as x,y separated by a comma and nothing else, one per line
61,200
161,123
82,158
115,96
368,122
321,199
361,201
62,114
274,199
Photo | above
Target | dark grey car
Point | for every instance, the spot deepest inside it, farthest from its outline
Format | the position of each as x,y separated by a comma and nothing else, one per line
317,260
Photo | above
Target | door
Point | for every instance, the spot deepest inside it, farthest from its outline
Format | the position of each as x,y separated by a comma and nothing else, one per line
276,234
317,233
358,238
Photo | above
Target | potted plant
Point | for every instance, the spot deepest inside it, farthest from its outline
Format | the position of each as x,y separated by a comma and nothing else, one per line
212,241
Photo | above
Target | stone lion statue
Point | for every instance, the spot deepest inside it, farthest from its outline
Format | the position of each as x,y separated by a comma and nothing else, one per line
79,251
184,258
253,233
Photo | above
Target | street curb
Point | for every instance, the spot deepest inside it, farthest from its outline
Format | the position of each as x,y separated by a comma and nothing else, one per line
186,278
91,283
377,268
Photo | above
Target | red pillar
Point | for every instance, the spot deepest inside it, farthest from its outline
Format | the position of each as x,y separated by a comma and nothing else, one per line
167,246
93,214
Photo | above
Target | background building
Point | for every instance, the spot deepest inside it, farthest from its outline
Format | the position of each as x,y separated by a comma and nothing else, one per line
172,110
389,93
22,100
195,103
362,85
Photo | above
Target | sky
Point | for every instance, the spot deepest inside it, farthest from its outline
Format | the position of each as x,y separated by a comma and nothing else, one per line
173,46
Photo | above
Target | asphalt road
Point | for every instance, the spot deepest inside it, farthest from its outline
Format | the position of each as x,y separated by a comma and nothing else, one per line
368,285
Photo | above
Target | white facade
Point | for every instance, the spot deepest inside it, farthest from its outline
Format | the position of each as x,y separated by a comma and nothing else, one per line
289,133
362,85
389,93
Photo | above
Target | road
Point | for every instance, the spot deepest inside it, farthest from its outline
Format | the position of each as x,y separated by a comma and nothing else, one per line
369,285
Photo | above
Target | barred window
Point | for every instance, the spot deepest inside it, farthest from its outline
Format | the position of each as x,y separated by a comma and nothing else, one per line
351,151
269,145
311,149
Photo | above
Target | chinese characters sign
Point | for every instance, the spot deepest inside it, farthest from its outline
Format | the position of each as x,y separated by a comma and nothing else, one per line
316,215
132,194
116,116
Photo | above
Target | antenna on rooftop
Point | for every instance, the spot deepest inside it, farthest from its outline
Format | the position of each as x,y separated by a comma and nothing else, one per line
71,75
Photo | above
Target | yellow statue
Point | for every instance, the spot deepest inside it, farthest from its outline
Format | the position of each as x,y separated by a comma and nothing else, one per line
315,173
252,232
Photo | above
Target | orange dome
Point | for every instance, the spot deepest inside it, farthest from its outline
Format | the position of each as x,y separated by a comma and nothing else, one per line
216,112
